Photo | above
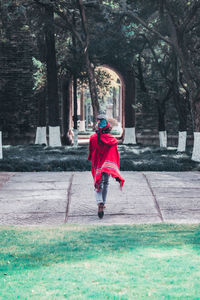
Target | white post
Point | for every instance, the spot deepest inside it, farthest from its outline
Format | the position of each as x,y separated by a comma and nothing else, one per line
182,137
129,136
196,147
82,126
54,136
163,139
41,136
75,137
1,150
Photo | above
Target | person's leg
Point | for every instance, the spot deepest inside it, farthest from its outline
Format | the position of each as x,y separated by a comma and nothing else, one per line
105,182
98,194
101,194
100,203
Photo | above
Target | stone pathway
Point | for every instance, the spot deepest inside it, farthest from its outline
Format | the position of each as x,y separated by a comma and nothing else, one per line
51,198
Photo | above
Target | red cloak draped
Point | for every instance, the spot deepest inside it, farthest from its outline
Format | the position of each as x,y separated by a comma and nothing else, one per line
104,157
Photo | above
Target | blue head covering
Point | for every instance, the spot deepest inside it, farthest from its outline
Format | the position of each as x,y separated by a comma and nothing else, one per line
102,123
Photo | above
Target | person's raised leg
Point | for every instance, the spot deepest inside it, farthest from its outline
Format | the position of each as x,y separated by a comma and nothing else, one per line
102,194
105,183
99,200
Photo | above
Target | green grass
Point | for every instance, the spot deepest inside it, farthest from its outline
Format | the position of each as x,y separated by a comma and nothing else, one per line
30,158
100,262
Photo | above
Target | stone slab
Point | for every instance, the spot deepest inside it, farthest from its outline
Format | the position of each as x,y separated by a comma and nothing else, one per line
41,198
33,206
181,216
31,195
41,176
114,219
5,177
135,201
32,218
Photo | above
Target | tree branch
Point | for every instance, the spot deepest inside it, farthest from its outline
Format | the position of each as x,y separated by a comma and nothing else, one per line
134,17
84,23
66,18
190,16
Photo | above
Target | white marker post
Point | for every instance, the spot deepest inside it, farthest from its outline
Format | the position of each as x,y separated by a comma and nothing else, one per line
129,136
163,139
75,138
41,136
54,136
82,126
182,137
196,147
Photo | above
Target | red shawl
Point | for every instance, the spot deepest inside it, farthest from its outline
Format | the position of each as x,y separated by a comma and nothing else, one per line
104,157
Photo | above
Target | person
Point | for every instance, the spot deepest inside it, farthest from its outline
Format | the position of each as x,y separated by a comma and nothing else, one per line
104,157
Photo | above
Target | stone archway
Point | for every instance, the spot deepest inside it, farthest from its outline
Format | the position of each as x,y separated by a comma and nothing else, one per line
126,116
128,97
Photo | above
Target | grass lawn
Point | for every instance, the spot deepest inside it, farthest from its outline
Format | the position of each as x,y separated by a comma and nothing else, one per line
30,158
100,262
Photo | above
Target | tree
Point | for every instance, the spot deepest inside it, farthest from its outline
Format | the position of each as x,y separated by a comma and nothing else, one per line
52,80
17,112
89,65
181,19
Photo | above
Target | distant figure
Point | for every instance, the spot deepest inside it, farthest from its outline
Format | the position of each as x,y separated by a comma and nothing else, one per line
104,157
67,138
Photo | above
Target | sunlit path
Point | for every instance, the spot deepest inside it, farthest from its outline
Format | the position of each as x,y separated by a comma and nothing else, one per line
52,198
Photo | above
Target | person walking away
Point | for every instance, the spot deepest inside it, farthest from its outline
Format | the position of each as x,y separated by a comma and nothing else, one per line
104,157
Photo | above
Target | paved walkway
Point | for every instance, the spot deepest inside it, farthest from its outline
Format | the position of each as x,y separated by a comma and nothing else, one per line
68,197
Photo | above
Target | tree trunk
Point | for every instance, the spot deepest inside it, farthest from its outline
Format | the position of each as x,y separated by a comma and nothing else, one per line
140,75
129,136
196,113
161,125
1,151
89,66
41,129
66,138
191,76
181,108
93,89
75,118
196,120
82,116
52,81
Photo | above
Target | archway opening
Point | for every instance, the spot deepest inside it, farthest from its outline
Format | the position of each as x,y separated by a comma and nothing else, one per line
110,86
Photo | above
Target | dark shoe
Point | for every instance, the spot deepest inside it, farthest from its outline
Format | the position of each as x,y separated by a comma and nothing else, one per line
100,210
